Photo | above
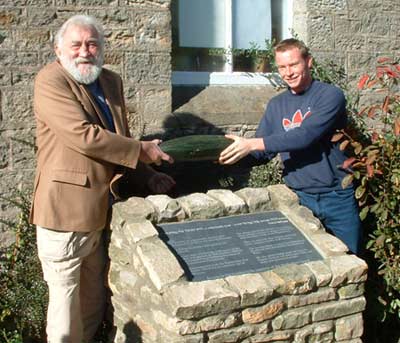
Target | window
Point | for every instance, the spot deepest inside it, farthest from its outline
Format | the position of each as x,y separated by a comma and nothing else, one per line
211,37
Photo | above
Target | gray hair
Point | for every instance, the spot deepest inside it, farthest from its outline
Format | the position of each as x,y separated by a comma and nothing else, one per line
80,20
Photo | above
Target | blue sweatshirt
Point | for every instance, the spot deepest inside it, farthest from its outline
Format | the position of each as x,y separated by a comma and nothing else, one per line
300,128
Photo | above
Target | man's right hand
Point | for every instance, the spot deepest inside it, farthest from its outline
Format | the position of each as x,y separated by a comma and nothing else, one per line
150,152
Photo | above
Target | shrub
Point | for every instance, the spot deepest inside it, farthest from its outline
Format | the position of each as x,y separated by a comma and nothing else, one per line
23,293
375,169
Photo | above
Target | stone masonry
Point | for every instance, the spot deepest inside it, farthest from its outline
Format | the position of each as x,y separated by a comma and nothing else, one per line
152,301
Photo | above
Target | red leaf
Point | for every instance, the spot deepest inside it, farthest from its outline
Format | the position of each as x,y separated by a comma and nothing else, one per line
337,137
371,112
397,127
384,59
397,66
379,72
374,136
371,83
370,170
362,81
348,162
344,144
385,105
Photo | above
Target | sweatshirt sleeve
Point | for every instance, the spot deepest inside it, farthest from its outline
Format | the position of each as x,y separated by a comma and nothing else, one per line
328,112
264,129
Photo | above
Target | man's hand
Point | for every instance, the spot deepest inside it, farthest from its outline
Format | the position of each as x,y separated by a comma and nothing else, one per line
240,148
160,183
150,152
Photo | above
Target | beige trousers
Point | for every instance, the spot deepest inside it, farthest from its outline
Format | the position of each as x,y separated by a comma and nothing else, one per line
73,266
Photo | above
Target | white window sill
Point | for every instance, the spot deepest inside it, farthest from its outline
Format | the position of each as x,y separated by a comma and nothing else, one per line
186,78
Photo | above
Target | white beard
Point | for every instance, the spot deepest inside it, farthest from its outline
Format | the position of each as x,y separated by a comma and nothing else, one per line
92,70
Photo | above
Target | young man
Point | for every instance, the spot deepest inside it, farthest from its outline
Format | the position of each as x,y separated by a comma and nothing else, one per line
84,148
299,124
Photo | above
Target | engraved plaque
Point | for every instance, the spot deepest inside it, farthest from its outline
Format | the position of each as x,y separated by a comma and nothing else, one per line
248,243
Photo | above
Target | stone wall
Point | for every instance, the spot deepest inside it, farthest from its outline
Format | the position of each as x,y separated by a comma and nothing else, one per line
351,32
152,301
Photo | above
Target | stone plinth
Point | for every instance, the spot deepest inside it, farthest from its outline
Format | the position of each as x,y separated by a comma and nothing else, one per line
154,302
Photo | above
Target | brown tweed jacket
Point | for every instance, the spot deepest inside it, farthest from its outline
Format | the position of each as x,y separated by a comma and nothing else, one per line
78,158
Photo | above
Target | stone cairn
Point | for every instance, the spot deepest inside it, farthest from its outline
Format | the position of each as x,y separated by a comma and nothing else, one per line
152,301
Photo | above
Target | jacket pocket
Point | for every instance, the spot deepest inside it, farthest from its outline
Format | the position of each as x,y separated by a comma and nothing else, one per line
74,177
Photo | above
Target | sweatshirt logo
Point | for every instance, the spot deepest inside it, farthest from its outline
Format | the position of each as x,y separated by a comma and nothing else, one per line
296,121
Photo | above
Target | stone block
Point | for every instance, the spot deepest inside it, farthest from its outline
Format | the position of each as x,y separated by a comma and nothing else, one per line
153,31
121,255
149,69
314,331
254,315
151,298
17,114
133,210
113,17
23,76
323,337
328,244
232,335
201,206
320,27
161,265
5,151
156,102
252,288
320,296
34,38
347,269
302,218
232,203
22,148
321,272
256,199
168,209
148,3
11,17
352,290
211,323
273,280
138,231
200,299
350,42
122,279
338,309
120,39
282,196
292,319
297,279
279,336
349,327
43,17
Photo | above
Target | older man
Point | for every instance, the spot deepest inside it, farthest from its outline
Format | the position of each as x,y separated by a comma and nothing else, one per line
84,150
299,124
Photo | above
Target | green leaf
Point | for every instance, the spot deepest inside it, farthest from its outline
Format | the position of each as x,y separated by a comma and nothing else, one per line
347,180
360,191
364,212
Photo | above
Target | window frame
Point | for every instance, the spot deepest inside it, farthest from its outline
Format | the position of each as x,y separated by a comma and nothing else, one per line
228,76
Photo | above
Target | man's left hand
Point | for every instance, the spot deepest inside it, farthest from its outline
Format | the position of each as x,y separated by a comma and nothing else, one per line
160,183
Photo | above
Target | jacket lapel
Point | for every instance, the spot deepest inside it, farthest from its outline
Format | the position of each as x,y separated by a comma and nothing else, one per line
95,106
113,102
